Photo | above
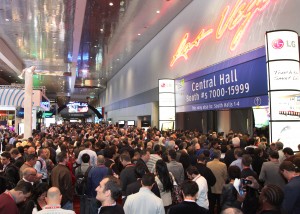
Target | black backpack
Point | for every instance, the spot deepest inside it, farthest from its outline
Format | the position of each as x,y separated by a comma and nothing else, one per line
81,181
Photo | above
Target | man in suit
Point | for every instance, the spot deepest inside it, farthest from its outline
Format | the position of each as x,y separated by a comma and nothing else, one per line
17,156
145,156
219,170
190,191
127,175
11,172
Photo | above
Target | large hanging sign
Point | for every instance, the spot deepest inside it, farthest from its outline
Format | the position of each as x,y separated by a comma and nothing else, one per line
237,18
238,86
283,85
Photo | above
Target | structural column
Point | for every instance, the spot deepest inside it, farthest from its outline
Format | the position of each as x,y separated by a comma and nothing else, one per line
28,102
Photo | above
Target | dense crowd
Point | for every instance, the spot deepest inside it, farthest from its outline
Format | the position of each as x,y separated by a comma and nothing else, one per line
133,170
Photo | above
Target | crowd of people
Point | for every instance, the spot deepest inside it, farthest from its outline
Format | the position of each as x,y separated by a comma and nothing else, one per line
132,170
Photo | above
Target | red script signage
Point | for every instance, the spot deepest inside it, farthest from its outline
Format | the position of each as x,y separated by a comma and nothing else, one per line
237,19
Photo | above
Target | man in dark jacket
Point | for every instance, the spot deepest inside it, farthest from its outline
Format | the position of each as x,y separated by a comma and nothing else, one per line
108,192
61,178
10,171
189,205
127,175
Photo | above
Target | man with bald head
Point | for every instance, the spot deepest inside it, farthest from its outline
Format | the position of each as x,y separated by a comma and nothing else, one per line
30,162
53,200
30,175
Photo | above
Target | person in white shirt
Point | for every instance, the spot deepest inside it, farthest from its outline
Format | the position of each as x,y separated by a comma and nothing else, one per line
88,150
53,200
145,201
194,175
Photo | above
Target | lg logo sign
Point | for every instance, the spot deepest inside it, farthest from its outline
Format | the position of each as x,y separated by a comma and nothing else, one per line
279,43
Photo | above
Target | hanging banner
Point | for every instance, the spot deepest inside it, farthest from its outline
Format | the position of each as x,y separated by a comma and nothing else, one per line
237,86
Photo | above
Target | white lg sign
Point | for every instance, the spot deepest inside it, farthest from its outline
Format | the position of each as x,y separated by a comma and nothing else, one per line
282,45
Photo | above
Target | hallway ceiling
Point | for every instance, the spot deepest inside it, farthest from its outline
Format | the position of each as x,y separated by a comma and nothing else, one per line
77,45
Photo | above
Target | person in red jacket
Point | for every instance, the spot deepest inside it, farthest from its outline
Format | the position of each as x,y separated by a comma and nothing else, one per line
10,198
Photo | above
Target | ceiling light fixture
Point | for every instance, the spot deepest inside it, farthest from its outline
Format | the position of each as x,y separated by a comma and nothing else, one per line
111,4
7,20
139,34
101,29
157,11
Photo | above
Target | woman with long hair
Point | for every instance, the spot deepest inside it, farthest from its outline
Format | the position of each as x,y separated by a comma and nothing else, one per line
37,200
164,180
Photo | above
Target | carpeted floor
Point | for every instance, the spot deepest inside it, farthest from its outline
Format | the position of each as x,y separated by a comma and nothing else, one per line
76,205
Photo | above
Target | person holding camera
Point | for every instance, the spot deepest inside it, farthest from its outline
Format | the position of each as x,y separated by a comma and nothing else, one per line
230,197
250,204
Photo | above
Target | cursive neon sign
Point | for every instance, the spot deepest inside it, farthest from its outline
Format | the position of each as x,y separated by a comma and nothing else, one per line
185,46
237,19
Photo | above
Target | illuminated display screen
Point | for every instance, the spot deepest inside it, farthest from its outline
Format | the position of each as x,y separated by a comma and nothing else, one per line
130,122
261,116
166,125
121,122
77,107
285,133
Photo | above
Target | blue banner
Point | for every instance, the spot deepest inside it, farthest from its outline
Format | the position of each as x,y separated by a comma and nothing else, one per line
246,80
226,104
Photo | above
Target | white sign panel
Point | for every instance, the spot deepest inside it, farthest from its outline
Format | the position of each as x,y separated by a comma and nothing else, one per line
284,75
167,113
166,99
282,45
166,85
285,132
285,105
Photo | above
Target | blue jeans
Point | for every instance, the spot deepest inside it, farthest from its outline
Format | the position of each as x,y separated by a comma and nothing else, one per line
68,206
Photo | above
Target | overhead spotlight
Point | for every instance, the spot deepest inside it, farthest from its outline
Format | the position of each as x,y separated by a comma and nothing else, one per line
139,34
111,4
157,11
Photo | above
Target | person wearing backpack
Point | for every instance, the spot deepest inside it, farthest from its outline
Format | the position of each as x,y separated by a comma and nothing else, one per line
89,204
85,165
41,166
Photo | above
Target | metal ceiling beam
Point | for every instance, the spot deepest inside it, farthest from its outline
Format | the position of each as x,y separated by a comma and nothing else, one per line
78,25
10,58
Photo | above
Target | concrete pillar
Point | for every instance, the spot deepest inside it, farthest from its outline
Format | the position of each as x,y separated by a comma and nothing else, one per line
28,102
